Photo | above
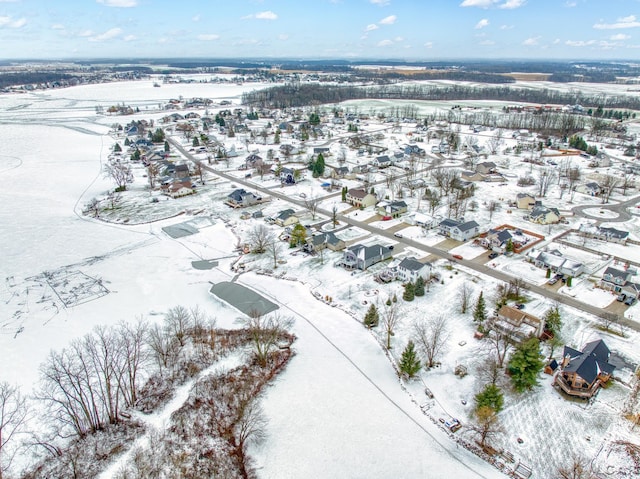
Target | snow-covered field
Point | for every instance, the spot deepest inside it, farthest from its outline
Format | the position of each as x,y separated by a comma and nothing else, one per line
339,409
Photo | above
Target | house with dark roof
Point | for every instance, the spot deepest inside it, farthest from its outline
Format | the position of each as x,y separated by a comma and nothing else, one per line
459,230
496,240
592,189
286,218
361,257
583,372
287,176
619,281
360,198
486,167
525,201
409,269
611,235
326,240
240,198
392,208
543,215
382,161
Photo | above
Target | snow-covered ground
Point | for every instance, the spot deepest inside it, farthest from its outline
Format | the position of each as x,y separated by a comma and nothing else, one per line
339,397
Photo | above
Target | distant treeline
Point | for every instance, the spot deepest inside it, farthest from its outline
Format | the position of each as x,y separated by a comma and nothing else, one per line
299,94
26,78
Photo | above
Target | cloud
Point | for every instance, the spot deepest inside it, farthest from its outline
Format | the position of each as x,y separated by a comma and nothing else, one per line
108,35
381,3
571,4
371,27
511,4
390,20
85,33
506,27
624,22
385,43
487,42
195,18
208,37
119,3
130,38
580,43
7,21
55,26
507,5
531,41
619,37
267,15
428,45
482,23
283,37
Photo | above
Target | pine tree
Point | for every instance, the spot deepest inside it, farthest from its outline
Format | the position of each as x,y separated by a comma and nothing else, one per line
490,396
525,364
419,286
195,142
117,148
166,146
409,362
276,136
372,317
409,292
553,320
480,312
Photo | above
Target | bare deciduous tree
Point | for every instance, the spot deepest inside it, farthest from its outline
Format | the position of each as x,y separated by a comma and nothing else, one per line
266,332
608,183
487,426
390,317
496,141
275,251
546,177
13,415
119,171
492,207
431,337
464,296
311,202
578,467
260,236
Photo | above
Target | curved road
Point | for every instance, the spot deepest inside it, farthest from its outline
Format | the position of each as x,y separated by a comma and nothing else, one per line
479,268
620,208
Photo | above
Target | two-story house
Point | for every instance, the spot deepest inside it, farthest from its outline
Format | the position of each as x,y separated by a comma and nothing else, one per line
583,372
517,325
361,257
409,269
240,198
459,230
360,198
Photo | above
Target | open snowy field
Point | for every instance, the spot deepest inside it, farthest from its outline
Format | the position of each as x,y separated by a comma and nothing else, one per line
338,410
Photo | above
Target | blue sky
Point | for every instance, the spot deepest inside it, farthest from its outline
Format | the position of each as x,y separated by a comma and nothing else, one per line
315,29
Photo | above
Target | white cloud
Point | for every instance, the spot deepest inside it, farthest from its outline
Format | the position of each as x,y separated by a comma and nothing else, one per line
119,3
487,42
624,22
511,4
398,39
390,20
85,33
283,37
56,26
507,5
7,21
506,27
571,4
619,37
108,35
580,43
195,18
130,38
268,15
428,45
385,43
482,23
478,3
382,3
208,37
371,27
531,41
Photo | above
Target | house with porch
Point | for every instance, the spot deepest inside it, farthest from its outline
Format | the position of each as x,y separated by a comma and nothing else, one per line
459,230
603,233
619,281
286,218
591,189
486,168
360,198
322,241
287,176
543,215
581,373
555,261
361,257
496,240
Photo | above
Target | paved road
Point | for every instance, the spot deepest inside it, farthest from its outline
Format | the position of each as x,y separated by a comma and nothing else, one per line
620,208
479,268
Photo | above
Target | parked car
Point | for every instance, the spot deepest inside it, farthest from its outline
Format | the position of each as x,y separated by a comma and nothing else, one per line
519,305
621,297
457,256
552,281
397,235
428,392
386,218
493,255
629,301
452,424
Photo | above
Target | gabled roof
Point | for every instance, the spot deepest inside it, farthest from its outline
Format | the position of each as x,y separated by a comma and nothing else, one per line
616,273
591,362
411,264
613,233
357,193
366,252
284,214
469,225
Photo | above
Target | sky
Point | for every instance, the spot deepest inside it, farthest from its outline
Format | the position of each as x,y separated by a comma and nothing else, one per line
318,29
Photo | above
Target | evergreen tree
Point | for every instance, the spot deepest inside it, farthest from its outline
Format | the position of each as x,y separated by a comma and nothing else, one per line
196,142
409,362
117,148
480,311
509,246
276,136
135,156
394,298
166,146
372,318
525,364
490,396
298,235
158,136
318,166
553,320
344,193
419,286
409,292
127,142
